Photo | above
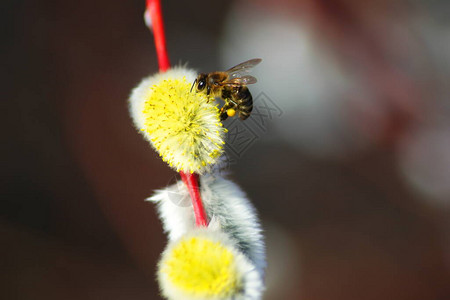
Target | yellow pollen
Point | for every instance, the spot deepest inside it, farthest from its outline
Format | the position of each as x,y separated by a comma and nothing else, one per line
231,112
184,126
201,267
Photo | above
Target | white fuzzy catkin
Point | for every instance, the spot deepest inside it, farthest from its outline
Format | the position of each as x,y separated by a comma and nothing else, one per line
228,208
249,283
182,124
139,94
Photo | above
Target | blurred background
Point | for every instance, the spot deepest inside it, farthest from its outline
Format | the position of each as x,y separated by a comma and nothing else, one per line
346,156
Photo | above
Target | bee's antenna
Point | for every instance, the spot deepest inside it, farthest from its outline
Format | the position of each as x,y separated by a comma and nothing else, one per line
193,84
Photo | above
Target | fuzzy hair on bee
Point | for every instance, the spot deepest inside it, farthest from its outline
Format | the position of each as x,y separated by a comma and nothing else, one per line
231,87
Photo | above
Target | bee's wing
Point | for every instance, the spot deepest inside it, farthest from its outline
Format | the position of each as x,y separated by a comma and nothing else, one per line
242,68
244,80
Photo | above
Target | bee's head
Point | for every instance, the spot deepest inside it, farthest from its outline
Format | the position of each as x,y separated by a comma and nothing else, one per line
200,82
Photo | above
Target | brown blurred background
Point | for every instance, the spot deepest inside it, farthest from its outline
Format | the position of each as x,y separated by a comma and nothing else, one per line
350,177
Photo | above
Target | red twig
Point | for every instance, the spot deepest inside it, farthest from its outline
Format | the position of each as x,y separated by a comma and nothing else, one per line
191,181
156,24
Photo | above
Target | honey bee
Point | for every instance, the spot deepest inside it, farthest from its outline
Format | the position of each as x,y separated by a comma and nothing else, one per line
231,86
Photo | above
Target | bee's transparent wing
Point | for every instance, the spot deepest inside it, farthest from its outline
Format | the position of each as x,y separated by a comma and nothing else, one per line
244,80
243,68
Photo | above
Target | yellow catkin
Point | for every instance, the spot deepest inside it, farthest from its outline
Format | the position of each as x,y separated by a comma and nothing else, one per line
201,267
184,126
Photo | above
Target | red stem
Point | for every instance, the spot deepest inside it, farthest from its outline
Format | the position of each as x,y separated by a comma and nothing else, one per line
154,9
191,181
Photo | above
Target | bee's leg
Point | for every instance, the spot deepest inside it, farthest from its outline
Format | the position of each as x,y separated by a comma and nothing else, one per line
223,116
223,113
193,84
